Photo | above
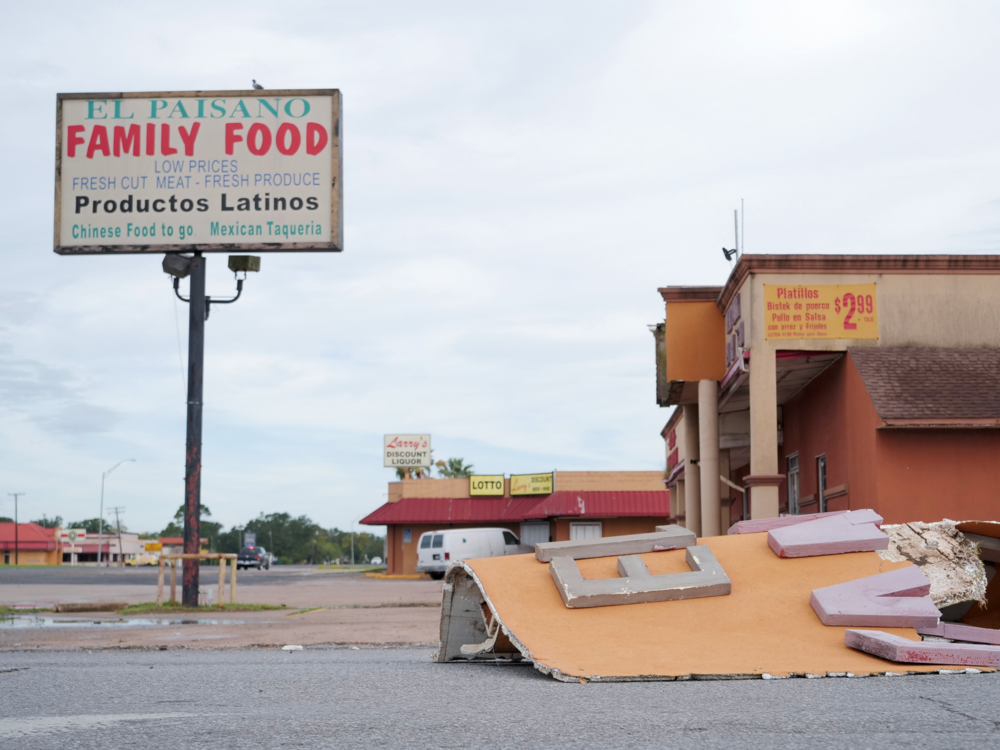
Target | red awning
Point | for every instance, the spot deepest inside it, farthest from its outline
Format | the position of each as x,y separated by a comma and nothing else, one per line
443,510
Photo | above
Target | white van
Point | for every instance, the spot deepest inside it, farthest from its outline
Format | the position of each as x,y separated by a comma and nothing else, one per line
437,549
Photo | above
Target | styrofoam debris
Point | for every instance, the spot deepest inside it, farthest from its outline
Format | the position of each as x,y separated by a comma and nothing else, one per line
291,648
944,555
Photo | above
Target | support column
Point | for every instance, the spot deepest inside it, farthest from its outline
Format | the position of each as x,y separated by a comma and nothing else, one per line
725,493
764,479
677,503
708,433
692,474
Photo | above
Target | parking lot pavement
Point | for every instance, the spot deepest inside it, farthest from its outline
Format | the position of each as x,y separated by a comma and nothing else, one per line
292,585
398,698
351,609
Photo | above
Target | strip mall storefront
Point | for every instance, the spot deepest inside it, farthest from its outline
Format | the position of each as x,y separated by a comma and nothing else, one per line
834,382
584,504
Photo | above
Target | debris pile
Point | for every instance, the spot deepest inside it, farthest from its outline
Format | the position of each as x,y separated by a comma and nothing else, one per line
635,608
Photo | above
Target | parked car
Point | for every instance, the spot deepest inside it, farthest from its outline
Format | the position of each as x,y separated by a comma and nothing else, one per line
438,549
253,556
143,560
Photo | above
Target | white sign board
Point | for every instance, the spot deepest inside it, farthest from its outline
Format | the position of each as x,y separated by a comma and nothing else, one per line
402,451
206,171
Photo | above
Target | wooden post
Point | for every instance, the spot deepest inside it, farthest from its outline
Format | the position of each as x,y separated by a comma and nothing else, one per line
232,583
159,584
173,581
222,579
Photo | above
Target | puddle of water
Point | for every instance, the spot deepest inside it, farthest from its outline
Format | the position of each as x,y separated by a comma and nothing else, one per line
21,622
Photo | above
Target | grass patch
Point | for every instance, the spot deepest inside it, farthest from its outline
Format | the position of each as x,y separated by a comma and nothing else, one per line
352,568
134,609
306,611
8,611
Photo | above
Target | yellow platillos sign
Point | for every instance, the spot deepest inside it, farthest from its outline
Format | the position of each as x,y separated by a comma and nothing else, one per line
154,547
820,311
486,485
531,484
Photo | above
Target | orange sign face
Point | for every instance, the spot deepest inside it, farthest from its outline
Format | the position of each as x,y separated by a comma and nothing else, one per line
820,311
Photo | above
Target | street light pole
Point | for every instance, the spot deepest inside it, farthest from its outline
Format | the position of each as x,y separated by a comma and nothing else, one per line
180,267
100,520
16,496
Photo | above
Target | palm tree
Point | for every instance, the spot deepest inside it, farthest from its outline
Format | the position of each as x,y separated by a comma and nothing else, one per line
455,468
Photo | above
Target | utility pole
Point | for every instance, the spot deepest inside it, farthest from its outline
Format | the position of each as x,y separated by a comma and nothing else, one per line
197,312
16,496
121,552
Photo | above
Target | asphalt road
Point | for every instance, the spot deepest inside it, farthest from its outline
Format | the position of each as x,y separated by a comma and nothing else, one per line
85,576
398,698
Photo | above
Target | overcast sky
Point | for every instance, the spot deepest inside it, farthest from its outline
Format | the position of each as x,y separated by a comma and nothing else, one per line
520,177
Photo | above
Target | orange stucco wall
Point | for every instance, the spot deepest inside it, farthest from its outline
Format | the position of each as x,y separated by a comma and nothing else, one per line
695,341
814,423
927,475
904,475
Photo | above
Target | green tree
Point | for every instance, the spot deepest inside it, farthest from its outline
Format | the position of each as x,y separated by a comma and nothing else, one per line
93,526
302,541
49,523
455,468
4,519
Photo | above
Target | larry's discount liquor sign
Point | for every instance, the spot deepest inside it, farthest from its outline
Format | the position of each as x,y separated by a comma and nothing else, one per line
824,311
208,171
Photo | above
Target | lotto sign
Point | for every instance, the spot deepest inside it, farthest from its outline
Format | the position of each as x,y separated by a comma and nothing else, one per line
206,171
486,485
833,311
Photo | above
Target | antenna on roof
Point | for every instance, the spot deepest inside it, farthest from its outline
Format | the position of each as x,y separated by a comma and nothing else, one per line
735,252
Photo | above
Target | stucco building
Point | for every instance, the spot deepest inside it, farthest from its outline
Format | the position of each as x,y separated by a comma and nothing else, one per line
826,382
31,545
584,504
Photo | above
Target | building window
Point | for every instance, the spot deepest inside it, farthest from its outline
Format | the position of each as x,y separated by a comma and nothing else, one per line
793,485
821,482
407,536
584,530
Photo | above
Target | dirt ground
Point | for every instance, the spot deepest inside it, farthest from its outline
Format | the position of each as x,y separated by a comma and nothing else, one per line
352,610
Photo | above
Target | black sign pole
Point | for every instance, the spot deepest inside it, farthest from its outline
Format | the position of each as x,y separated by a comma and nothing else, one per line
192,474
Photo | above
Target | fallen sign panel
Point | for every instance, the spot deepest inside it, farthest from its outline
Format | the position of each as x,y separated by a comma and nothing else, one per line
637,584
894,648
765,626
897,599
854,531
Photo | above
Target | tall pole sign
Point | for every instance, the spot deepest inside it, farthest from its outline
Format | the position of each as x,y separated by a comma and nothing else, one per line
187,173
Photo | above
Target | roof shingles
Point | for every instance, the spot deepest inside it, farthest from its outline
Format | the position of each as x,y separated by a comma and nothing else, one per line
931,383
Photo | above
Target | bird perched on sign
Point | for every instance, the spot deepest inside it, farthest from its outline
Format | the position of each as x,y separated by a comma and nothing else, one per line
257,86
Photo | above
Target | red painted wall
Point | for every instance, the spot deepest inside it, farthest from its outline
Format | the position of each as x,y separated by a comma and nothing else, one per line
904,475
928,475
815,421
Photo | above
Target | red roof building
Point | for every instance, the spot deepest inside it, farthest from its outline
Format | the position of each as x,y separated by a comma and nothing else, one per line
31,545
584,503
